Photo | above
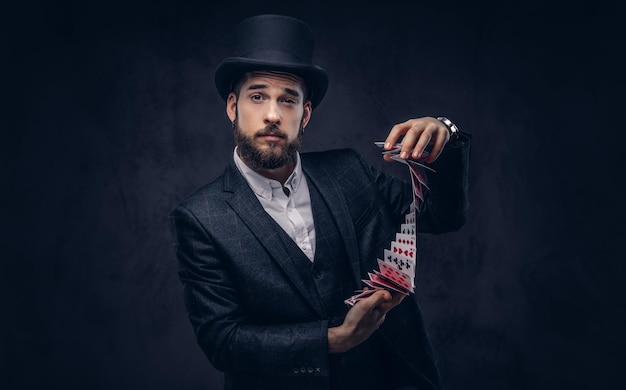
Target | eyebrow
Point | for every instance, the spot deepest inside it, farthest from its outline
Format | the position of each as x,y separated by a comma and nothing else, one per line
290,91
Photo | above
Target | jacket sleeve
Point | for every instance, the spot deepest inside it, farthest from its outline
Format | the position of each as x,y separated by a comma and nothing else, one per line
228,339
446,202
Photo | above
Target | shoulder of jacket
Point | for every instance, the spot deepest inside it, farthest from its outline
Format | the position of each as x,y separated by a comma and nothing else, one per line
203,195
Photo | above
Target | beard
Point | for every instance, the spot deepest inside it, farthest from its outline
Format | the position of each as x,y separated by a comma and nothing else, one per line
272,157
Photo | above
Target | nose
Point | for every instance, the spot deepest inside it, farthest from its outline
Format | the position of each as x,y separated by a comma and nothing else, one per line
273,114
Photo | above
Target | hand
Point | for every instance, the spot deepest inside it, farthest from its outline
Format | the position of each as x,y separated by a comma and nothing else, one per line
362,320
418,133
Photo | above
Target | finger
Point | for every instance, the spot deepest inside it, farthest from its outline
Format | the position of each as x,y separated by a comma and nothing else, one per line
421,144
370,303
378,298
395,301
382,296
429,136
411,139
439,140
396,132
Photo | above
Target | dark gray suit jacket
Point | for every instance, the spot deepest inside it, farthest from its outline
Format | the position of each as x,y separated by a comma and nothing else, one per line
256,314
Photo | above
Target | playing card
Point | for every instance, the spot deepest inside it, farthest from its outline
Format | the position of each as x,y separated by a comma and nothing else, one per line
408,228
377,285
381,145
362,294
400,262
405,239
418,176
417,190
405,250
397,268
385,283
398,146
401,278
416,163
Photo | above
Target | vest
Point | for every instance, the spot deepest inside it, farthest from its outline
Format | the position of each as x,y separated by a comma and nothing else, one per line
365,365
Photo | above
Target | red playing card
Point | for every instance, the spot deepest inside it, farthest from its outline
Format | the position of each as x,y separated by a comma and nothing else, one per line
406,239
360,294
389,284
364,294
373,284
405,250
377,282
418,176
388,271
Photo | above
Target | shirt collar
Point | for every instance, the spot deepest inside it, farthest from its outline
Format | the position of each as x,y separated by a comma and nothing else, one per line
261,185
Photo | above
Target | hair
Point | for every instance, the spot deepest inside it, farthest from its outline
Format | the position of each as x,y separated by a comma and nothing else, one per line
238,82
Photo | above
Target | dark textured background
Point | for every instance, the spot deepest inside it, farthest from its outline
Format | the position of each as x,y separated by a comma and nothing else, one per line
111,116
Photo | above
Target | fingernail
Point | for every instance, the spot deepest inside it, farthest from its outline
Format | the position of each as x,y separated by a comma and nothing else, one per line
404,155
387,145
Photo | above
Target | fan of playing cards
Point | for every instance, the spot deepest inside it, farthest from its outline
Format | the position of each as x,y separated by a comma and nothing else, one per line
396,271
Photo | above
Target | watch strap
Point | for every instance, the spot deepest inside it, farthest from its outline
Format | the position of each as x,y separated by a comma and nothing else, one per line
452,129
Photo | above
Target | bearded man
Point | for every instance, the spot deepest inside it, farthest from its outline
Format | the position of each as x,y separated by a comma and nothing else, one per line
269,251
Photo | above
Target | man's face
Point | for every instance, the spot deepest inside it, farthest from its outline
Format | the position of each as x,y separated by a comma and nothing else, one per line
269,115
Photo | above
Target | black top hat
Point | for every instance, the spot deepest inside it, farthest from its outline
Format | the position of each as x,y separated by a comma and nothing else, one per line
273,42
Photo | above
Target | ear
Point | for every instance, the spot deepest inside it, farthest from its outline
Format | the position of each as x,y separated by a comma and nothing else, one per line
231,106
306,116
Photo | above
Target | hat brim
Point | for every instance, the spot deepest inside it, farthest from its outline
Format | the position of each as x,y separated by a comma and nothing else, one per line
232,68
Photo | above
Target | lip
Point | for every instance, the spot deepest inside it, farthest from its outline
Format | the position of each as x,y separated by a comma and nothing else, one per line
271,137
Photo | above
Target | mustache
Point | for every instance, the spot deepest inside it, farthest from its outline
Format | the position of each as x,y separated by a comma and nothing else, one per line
271,130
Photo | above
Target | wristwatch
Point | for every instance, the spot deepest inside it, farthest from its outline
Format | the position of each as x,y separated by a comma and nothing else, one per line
452,129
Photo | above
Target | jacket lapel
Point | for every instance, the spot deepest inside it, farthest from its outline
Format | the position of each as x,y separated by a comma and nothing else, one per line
329,190
244,202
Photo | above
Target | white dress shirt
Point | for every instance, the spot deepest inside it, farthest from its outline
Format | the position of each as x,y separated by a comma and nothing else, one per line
292,212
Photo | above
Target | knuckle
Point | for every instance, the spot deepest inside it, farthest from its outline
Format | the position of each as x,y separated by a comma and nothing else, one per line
397,128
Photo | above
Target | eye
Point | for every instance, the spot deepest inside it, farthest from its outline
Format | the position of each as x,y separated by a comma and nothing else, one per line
289,101
256,97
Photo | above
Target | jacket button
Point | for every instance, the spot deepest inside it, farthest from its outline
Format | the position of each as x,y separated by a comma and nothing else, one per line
316,274
295,370
310,370
302,370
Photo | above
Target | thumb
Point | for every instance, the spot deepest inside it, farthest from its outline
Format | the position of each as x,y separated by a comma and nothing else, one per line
378,298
